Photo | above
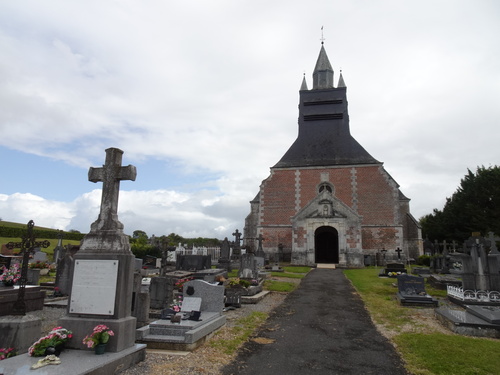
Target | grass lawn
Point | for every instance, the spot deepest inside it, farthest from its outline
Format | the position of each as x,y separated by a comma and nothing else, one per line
425,353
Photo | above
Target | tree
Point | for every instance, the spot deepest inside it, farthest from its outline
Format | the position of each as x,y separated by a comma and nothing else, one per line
474,207
139,234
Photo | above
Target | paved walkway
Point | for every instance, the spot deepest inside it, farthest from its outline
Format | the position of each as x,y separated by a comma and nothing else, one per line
321,328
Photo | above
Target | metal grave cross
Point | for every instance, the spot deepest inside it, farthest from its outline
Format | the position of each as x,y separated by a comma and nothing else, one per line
110,175
27,246
398,250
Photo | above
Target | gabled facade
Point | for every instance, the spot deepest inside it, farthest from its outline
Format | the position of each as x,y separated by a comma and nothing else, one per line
328,199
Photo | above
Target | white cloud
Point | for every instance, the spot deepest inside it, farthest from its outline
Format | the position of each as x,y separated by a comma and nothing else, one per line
211,90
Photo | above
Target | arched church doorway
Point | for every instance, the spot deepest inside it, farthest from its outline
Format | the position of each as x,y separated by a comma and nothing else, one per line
326,245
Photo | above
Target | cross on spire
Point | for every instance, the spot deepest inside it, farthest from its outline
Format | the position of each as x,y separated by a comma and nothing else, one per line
110,175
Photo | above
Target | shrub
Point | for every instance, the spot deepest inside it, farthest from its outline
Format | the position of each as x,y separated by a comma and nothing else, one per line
424,260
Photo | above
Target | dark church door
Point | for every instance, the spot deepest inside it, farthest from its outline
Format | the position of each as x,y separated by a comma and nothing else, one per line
326,244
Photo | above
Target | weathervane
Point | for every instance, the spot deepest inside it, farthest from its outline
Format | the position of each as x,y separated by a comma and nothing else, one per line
322,38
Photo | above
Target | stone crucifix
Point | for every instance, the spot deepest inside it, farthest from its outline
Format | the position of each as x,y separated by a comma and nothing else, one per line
110,175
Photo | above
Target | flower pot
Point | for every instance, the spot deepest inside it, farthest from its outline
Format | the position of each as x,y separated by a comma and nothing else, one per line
100,349
54,350
8,283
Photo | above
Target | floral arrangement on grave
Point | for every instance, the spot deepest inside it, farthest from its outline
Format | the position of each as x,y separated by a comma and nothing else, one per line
100,335
393,273
39,265
10,275
51,344
7,353
180,283
239,283
176,304
57,292
457,265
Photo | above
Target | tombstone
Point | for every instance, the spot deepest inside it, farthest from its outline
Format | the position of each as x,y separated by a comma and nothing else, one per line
140,301
102,278
187,334
260,251
193,262
40,257
393,270
33,276
248,267
237,244
411,291
494,264
64,272
5,250
225,256
4,262
212,296
160,292
59,249
210,275
150,261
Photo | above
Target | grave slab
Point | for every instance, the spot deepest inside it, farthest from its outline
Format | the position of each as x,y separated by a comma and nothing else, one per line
489,313
464,323
77,362
33,298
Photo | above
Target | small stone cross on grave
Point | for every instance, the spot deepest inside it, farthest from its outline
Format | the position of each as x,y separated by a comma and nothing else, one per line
110,174
237,237
260,250
237,240
27,246
398,250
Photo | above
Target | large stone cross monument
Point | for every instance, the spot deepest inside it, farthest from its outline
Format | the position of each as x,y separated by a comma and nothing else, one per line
102,279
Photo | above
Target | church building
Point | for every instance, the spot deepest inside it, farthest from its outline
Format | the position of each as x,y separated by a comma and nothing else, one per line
328,200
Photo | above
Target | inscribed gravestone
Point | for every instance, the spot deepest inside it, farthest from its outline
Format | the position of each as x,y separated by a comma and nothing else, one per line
212,296
40,257
411,291
411,285
94,287
107,248
193,262
191,304
248,266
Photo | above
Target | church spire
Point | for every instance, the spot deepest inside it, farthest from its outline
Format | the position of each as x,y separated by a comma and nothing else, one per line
304,83
341,80
323,72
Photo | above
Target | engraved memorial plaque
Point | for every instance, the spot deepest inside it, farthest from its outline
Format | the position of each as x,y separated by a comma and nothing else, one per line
94,287
191,304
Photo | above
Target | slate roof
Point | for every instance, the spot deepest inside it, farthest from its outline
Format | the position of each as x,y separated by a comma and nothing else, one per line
324,136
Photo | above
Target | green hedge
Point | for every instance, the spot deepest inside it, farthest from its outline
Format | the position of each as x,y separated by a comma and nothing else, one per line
39,233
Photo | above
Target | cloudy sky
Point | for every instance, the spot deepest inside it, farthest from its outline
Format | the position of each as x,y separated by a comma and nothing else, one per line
202,98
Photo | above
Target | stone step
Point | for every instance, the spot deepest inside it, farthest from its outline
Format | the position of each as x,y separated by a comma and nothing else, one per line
163,338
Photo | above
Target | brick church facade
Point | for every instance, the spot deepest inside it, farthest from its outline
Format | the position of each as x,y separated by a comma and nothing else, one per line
328,200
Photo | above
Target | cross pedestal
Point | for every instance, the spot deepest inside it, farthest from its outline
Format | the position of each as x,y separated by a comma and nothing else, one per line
102,276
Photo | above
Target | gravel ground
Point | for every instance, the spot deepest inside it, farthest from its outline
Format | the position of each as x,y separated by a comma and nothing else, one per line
204,360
